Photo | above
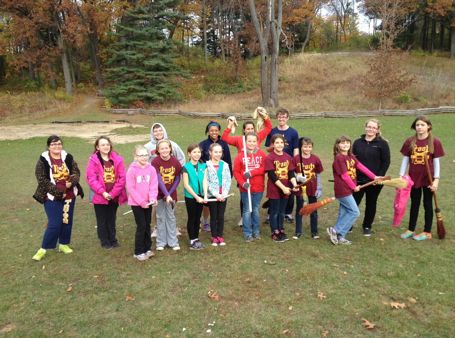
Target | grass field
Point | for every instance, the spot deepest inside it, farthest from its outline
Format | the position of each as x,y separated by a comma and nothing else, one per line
303,288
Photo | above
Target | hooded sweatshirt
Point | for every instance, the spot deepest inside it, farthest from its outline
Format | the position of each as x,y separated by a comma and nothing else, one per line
142,185
152,145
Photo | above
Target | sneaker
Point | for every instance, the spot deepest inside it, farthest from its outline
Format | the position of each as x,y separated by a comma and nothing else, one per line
154,233
343,241
256,237
297,236
221,241
176,248
197,245
367,232
283,236
207,227
315,236
249,239
115,245
150,253
351,230
160,248
289,218
407,234
240,222
422,236
178,232
39,255
107,246
142,257
332,235
65,249
275,236
214,241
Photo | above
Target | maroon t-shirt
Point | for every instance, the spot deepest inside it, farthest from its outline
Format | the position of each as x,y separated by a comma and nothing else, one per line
168,171
61,175
312,166
109,175
343,164
417,155
281,164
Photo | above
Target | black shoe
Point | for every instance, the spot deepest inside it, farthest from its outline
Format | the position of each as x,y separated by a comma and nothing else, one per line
107,246
351,229
315,236
367,232
283,236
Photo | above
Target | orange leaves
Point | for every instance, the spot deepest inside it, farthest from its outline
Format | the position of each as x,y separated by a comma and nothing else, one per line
129,298
321,295
212,294
397,305
367,324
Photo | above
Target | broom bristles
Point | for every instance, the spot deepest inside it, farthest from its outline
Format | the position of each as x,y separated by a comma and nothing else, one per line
395,182
310,208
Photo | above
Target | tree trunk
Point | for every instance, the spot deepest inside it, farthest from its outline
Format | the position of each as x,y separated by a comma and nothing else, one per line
433,34
65,66
276,30
424,33
441,36
452,42
204,31
93,42
306,40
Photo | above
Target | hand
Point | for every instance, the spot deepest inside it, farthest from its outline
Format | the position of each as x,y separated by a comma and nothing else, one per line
286,191
199,199
296,188
318,193
153,203
107,196
357,188
435,185
68,184
247,175
145,206
169,199
262,112
220,198
246,185
230,124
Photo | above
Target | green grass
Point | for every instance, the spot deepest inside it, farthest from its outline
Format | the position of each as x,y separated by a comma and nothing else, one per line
266,289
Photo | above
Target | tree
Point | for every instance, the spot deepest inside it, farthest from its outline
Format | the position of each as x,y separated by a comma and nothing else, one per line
141,68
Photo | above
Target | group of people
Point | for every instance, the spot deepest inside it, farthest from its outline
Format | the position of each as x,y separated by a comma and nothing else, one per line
292,170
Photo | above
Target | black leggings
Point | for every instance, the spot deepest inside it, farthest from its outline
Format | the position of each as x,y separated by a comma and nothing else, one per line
217,211
415,196
371,193
194,210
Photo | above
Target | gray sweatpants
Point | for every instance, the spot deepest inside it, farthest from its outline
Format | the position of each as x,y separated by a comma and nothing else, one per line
166,225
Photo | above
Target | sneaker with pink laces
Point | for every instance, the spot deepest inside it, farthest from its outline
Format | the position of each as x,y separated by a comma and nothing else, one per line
221,241
215,241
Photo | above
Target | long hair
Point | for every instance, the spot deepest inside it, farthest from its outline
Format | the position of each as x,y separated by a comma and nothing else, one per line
99,138
430,139
341,139
303,140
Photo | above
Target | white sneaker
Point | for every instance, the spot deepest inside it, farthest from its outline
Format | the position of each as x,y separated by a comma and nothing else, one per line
154,233
141,257
176,248
240,222
150,253
178,231
160,248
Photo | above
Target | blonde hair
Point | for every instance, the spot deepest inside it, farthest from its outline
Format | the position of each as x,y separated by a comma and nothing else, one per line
139,147
164,141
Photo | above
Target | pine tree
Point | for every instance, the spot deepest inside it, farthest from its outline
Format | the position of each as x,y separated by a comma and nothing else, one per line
141,68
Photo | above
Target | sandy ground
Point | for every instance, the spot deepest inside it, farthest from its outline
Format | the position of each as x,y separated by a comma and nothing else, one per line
88,131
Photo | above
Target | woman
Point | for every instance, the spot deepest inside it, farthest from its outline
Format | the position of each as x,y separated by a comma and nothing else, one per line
58,185
105,175
373,152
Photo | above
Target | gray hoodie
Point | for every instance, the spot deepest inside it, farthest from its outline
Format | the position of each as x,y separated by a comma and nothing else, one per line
152,145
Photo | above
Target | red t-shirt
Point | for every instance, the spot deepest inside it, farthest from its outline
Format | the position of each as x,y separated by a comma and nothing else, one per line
343,164
61,175
417,155
281,164
109,176
168,171
312,166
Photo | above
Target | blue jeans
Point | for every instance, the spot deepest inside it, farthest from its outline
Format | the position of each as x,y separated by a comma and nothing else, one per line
348,213
251,220
57,230
277,213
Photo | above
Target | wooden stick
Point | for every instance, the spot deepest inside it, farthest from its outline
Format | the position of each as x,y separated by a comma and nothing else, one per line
440,227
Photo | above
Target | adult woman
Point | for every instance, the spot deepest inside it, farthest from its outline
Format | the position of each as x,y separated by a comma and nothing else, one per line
417,150
373,152
105,175
58,185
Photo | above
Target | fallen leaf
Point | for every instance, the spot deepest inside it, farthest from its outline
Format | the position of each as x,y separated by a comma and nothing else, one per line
325,333
212,294
208,330
61,331
367,324
7,328
69,289
44,267
290,308
286,331
412,300
129,298
345,272
397,305
321,295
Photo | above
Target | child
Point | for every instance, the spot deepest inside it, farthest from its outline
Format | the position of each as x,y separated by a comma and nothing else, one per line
142,186
105,175
193,176
168,171
217,185
344,170
418,149
280,168
308,168
253,171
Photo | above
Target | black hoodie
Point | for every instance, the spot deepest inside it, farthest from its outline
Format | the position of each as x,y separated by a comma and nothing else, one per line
375,155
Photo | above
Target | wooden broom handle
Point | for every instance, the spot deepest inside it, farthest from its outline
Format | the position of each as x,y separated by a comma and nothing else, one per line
374,182
428,169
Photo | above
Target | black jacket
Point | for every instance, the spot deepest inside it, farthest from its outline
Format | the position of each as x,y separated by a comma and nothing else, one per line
375,155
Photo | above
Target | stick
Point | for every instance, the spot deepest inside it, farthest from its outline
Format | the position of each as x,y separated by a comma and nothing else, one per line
210,199
440,227
129,211
247,168
377,181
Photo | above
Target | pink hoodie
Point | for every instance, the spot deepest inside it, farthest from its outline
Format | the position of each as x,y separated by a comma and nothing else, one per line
94,178
142,185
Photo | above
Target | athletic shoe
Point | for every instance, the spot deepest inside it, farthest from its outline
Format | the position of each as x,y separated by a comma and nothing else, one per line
115,245
150,253
176,248
351,230
142,257
315,236
154,233
422,236
160,248
65,249
107,246
39,255
289,218
332,235
367,232
240,222
407,234
207,227
249,239
221,241
178,232
275,236
215,241
256,237
297,236
196,245
343,241
283,236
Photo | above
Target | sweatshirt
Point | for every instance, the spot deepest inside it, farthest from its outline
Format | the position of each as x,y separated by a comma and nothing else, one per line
375,155
152,145
142,185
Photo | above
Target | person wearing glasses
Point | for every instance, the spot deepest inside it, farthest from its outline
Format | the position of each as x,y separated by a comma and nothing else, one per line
372,150
58,185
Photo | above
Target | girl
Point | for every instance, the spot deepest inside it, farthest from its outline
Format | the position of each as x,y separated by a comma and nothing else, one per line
217,186
253,171
168,170
142,186
280,169
105,175
418,149
58,185
308,168
344,171
372,151
193,176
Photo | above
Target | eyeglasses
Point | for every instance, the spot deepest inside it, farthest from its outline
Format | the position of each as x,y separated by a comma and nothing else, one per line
142,155
370,127
58,144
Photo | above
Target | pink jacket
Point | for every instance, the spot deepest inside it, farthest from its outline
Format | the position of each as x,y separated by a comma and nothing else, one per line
94,178
142,185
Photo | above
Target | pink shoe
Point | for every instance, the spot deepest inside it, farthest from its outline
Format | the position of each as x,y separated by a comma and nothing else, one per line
215,241
221,241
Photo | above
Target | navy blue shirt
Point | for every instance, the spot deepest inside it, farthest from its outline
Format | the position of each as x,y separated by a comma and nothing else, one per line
205,144
291,137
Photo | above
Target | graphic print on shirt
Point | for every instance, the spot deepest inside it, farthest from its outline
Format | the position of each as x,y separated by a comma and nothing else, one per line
281,169
108,174
168,174
253,162
351,169
60,172
309,170
418,155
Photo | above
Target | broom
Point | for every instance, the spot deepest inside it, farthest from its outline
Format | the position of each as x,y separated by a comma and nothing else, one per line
440,227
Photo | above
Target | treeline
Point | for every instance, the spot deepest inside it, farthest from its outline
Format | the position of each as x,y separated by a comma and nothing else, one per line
128,46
